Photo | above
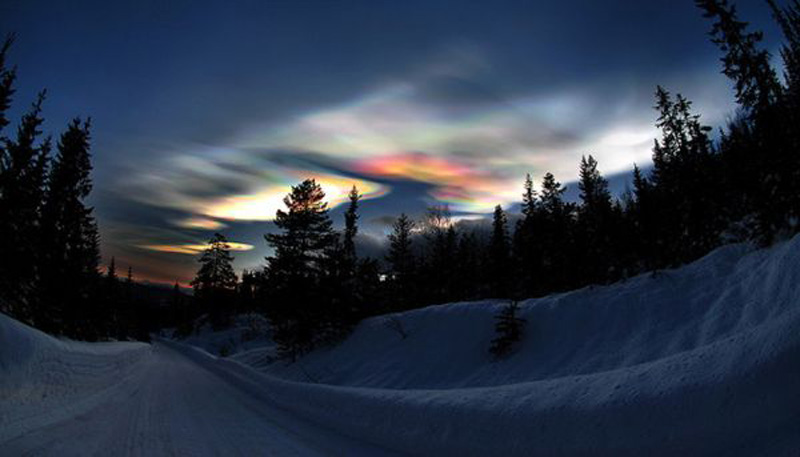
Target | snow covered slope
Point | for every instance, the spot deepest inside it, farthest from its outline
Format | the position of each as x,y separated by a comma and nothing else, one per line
246,331
44,380
60,398
700,360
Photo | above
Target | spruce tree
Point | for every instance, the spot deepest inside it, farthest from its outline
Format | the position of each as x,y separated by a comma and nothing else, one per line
401,262
595,226
764,157
685,180
555,235
757,85
7,77
22,186
70,243
509,329
789,20
107,319
499,255
526,258
350,232
470,281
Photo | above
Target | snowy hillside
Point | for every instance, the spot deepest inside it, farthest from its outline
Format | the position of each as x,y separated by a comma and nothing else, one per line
705,358
44,380
726,299
701,360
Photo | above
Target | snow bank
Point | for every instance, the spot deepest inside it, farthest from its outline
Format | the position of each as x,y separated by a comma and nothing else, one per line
704,359
247,331
701,360
43,379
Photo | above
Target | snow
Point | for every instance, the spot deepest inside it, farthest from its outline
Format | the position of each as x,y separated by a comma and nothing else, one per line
700,360
245,332
63,398
38,372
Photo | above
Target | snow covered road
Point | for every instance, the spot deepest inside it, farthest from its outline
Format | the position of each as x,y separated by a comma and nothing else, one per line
172,404
703,360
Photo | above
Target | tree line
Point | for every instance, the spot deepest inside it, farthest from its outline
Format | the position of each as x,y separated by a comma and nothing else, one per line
49,239
700,193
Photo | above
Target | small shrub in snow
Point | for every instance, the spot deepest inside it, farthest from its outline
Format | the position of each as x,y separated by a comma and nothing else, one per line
394,324
509,328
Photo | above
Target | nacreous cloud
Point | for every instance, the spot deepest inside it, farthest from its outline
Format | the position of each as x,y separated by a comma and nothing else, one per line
214,186
443,127
192,249
476,154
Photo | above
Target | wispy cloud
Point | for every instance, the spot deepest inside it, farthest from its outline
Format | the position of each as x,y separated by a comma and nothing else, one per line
192,249
234,186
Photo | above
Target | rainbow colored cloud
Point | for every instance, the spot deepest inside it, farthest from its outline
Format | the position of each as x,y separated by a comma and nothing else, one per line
263,203
192,249
463,187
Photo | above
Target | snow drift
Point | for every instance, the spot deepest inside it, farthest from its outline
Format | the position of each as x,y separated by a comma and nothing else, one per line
44,380
700,360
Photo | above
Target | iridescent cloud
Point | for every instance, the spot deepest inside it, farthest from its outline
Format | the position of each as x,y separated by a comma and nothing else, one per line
475,156
263,203
463,187
200,223
233,186
192,249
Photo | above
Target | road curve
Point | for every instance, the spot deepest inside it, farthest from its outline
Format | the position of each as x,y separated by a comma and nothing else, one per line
175,404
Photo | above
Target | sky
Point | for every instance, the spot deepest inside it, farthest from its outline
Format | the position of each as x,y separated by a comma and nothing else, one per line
205,113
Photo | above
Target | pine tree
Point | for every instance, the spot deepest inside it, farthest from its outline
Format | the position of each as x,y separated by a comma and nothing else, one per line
595,226
356,283
307,233
7,298
23,180
682,182
642,218
401,262
7,77
436,264
215,282
182,316
529,201
526,257
248,290
111,272
70,242
499,255
301,260
765,157
470,282
350,232
509,329
788,19
555,235
757,85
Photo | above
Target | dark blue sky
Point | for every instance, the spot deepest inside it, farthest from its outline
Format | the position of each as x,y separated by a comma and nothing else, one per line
204,112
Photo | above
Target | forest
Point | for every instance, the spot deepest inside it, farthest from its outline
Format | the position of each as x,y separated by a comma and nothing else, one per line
706,187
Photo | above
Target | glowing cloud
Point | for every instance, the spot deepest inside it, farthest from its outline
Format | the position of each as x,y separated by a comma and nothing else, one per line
200,223
262,204
476,156
192,249
463,187
220,185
